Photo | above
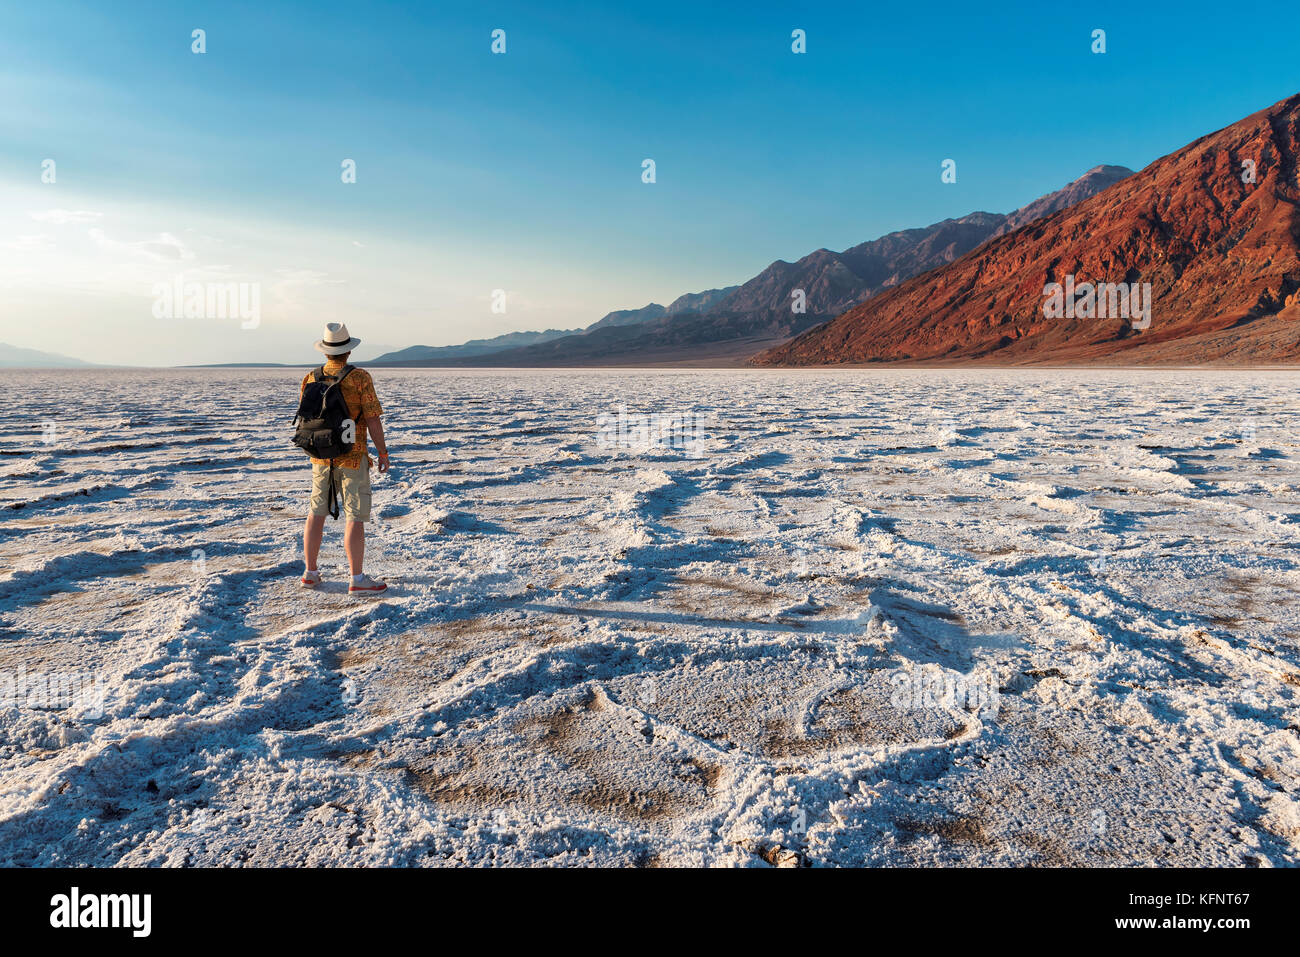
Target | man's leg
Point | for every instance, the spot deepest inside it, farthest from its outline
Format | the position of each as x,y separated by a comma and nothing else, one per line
312,534
356,509
318,505
354,543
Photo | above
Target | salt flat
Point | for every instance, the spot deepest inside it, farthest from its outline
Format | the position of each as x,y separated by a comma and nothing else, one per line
868,618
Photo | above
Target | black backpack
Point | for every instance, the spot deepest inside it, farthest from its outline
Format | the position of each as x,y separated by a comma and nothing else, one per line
325,427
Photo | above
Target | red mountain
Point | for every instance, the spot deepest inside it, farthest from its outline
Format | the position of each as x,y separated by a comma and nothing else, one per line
1221,254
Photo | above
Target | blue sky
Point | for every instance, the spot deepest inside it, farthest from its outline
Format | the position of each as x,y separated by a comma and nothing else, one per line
522,171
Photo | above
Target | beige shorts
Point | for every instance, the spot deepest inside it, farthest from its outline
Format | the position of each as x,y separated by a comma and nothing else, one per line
354,491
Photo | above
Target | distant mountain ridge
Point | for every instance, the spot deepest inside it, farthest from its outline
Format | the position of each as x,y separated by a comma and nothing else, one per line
474,347
699,301
628,317
1219,251
16,357
759,311
423,355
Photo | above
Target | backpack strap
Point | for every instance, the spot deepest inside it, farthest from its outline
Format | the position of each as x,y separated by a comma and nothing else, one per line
336,384
316,376
338,380
334,495
347,371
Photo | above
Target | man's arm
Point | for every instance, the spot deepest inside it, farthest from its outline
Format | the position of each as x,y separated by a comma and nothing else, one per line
376,429
371,410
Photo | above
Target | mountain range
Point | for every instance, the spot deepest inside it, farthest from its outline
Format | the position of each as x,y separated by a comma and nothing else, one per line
436,355
17,357
735,321
1213,228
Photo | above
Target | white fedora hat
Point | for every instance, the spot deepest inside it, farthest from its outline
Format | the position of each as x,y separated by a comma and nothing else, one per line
336,340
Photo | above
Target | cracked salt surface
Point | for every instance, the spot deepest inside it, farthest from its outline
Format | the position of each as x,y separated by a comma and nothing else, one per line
875,617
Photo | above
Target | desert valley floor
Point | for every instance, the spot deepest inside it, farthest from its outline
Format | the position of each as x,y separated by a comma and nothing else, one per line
888,617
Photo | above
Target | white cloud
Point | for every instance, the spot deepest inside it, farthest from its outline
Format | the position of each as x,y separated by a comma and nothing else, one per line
162,248
306,277
30,242
167,247
65,217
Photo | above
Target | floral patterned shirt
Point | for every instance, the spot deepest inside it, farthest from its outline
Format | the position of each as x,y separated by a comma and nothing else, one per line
359,393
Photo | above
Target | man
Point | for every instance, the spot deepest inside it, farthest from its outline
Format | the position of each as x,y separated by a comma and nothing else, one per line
351,472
